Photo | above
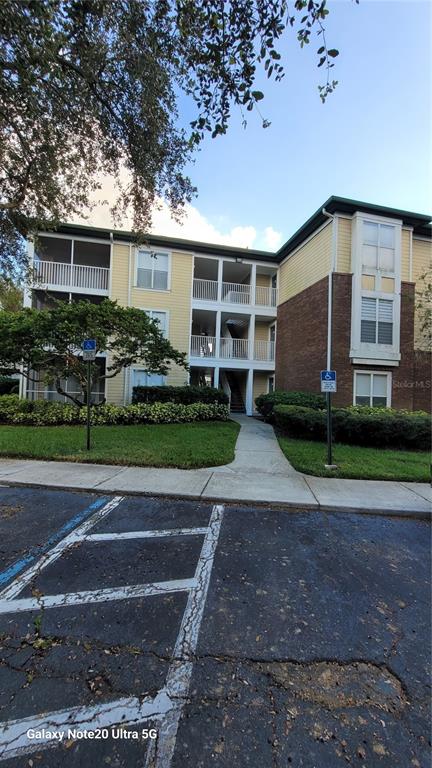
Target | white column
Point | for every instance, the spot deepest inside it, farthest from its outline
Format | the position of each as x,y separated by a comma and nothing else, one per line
71,276
249,393
251,337
27,293
253,285
218,332
216,377
220,278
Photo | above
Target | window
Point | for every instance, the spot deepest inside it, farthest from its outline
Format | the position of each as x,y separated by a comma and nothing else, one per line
161,317
143,379
372,389
271,383
152,270
376,321
378,246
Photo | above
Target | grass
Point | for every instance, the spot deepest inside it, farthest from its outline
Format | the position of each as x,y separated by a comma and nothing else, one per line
187,446
355,461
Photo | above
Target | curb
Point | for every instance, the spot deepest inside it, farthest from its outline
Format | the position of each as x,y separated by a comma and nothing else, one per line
281,505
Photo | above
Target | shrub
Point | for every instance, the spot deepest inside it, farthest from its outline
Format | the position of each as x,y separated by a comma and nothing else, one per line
44,413
8,385
266,403
376,427
185,395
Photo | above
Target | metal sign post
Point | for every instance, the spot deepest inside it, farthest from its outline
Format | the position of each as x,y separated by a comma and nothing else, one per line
89,354
328,385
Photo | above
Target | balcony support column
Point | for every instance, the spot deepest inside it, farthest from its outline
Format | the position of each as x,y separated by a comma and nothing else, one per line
71,273
218,328
251,338
216,377
249,392
219,281
253,285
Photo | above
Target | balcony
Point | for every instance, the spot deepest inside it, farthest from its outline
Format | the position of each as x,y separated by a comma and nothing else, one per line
232,349
234,293
56,274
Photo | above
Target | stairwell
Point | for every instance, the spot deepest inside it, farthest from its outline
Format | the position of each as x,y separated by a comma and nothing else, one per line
237,402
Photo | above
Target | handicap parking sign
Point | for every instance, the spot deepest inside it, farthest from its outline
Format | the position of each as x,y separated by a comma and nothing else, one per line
328,381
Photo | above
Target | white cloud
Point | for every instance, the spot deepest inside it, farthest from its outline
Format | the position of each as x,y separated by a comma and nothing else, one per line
193,225
272,239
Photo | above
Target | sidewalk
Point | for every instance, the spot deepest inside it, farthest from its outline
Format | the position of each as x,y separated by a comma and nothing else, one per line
260,473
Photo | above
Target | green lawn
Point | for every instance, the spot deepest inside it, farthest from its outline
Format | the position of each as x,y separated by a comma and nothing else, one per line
357,462
200,444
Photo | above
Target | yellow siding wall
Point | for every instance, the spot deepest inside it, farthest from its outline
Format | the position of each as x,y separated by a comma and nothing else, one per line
308,265
405,249
261,331
260,383
263,280
422,258
343,263
177,302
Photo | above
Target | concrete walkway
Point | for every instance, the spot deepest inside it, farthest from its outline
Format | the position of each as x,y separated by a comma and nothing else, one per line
259,473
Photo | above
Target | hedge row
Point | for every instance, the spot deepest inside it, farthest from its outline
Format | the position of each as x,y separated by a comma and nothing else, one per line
266,403
185,395
377,427
43,413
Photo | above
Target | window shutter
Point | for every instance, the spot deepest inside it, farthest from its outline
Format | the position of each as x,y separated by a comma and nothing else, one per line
368,320
385,322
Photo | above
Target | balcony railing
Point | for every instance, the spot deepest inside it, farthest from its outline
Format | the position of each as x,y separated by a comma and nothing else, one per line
232,349
265,297
72,275
206,290
237,349
234,293
203,346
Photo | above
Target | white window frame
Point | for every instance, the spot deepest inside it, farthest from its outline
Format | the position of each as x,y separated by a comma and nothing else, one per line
166,312
374,373
135,368
162,252
364,352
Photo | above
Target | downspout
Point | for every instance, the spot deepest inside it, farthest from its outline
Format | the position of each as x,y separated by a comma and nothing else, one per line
330,287
127,372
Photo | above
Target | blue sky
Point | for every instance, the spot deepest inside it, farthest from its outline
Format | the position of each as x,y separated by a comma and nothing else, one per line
369,141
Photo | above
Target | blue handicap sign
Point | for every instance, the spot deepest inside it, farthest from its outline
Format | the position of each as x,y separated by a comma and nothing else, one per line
89,345
328,375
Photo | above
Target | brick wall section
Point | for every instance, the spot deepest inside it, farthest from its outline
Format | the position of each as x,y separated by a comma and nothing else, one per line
422,381
302,342
301,339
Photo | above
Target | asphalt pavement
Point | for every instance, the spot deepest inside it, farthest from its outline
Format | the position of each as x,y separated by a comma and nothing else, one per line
187,633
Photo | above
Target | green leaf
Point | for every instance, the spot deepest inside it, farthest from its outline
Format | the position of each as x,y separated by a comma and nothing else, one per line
257,95
333,53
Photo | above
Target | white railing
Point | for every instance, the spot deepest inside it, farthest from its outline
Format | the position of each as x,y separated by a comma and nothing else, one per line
72,276
203,346
237,349
264,350
265,297
53,396
206,290
236,293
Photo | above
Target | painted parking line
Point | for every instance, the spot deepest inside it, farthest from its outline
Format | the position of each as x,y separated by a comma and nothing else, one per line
51,555
166,707
20,565
158,534
96,596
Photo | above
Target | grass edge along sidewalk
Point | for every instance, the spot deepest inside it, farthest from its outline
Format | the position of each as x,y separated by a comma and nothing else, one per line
357,462
184,446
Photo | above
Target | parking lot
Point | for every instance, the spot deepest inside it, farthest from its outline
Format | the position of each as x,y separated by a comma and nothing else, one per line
184,633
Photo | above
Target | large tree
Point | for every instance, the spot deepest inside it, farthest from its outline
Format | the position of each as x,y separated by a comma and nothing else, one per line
45,346
91,86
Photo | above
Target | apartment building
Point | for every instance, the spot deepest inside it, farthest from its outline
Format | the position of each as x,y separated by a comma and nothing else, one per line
340,293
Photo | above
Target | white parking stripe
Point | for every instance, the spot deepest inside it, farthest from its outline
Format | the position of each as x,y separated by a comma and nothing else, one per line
127,592
166,707
145,534
160,753
49,557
